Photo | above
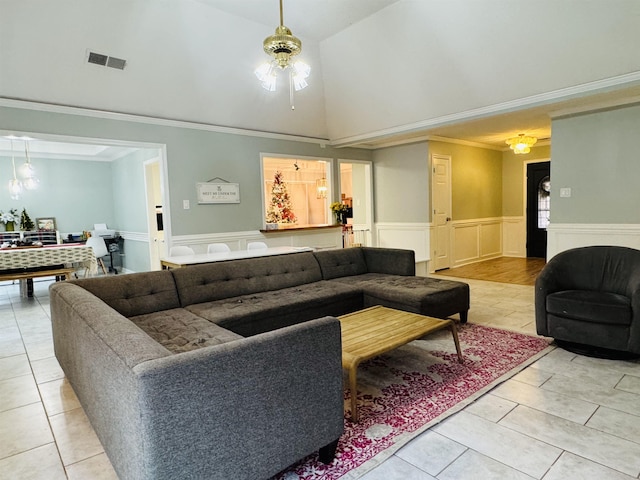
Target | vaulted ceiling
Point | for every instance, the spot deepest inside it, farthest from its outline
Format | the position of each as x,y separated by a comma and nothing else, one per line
383,71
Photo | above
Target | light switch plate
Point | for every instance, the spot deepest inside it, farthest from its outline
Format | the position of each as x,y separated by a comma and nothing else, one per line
185,204
565,192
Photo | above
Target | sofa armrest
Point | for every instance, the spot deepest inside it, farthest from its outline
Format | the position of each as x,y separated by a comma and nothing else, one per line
392,261
244,409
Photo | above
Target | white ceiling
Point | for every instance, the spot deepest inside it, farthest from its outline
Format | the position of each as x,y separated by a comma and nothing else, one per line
328,18
313,21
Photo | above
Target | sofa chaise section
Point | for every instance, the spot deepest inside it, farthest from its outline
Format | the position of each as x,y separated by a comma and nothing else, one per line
387,277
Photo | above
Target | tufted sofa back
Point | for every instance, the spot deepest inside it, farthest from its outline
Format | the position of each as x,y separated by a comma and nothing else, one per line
219,280
135,294
357,261
341,263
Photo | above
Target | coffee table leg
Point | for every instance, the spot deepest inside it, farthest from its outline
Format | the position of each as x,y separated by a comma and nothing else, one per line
454,332
353,384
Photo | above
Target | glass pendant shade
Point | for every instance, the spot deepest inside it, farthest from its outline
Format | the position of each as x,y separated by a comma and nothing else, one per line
299,75
27,171
15,189
31,183
267,76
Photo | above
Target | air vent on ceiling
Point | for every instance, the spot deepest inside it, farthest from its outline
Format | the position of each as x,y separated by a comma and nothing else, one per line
114,62
106,61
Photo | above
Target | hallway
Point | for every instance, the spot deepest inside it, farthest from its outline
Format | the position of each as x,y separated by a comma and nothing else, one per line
518,271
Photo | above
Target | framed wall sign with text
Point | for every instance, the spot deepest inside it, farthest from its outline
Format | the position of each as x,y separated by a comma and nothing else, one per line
218,192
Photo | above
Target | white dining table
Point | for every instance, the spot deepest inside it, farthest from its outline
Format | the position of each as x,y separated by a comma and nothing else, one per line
200,258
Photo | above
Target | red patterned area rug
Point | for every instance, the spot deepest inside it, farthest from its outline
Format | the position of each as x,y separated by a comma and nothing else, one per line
403,393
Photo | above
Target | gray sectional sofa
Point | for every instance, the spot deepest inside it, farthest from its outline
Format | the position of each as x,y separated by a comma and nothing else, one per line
229,369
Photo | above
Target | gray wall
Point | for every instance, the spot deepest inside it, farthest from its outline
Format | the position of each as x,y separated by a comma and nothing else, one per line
192,156
401,184
597,156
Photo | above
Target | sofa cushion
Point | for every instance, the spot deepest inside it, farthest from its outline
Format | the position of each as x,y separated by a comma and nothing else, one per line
134,294
265,311
179,330
423,295
590,306
392,261
341,263
219,280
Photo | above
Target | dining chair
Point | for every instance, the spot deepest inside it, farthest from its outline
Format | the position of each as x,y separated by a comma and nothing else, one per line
181,250
256,246
99,248
218,248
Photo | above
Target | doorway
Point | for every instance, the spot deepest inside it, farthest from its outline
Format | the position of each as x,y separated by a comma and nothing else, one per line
356,191
538,208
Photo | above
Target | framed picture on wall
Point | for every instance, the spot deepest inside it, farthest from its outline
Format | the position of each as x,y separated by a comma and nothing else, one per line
48,224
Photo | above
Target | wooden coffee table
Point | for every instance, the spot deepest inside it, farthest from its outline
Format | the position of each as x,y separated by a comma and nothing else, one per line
377,330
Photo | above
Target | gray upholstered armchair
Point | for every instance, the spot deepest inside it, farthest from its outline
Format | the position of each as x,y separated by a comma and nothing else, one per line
590,297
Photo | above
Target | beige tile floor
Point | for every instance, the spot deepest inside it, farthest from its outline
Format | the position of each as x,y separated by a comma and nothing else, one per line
564,417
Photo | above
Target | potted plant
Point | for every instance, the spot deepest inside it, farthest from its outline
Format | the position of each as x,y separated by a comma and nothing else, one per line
9,218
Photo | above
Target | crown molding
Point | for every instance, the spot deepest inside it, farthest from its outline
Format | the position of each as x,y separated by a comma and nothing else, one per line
149,120
495,109
596,107
455,141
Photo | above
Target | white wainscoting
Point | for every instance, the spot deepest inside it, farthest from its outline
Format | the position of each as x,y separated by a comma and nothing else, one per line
411,236
563,236
320,239
514,237
475,240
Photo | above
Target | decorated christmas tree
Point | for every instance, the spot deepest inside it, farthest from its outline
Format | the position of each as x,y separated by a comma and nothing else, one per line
279,210
26,223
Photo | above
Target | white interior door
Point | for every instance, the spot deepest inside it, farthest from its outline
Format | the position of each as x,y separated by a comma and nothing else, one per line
441,201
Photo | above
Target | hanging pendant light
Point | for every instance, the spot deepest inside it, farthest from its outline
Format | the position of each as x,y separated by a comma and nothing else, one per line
283,45
30,181
15,186
321,187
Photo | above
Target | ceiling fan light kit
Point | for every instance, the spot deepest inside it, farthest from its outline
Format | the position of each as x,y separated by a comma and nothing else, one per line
282,46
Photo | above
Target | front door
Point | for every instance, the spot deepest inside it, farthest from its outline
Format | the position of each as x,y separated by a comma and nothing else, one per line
538,208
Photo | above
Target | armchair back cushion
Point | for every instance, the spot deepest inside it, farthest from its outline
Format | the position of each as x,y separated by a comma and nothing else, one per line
591,295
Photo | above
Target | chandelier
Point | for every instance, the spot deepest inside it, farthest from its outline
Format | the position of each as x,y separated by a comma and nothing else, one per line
521,144
282,46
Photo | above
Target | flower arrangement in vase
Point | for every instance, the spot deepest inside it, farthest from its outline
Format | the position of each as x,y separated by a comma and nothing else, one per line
9,218
340,210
